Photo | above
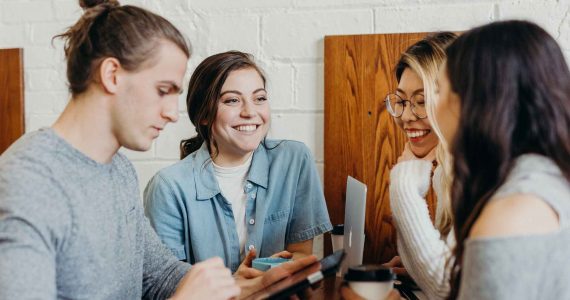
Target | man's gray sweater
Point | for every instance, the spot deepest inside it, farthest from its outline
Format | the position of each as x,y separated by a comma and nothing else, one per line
72,228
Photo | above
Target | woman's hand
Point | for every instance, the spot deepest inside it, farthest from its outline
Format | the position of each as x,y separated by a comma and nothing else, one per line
209,279
246,271
250,286
397,267
283,254
407,154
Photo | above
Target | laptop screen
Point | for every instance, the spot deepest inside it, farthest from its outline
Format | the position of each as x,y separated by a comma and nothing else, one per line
354,217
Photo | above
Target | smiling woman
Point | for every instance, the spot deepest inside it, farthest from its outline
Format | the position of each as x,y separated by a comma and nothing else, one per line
422,246
242,119
236,193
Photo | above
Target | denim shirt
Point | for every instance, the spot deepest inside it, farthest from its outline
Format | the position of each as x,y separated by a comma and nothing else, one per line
285,204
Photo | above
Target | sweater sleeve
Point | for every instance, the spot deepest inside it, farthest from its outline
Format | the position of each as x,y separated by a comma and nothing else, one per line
34,223
423,251
161,270
515,267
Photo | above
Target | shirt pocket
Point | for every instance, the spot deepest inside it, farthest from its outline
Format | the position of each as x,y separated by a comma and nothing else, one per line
274,233
277,217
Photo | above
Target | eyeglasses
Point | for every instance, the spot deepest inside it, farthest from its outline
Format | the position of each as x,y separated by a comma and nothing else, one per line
396,105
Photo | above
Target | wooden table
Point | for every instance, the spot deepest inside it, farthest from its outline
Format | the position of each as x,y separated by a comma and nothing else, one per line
329,289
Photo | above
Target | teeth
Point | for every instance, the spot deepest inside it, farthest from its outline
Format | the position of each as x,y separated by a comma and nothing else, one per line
246,128
415,134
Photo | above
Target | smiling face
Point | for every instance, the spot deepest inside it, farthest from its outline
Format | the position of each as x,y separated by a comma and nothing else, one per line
243,116
419,132
147,99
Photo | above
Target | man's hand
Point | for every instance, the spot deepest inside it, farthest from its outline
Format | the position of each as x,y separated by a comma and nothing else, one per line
210,280
273,275
246,271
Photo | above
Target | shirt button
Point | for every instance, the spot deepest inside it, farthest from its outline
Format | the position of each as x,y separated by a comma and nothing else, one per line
251,247
249,185
251,221
253,196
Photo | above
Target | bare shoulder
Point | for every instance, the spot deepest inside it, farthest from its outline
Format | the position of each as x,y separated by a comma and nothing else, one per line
514,215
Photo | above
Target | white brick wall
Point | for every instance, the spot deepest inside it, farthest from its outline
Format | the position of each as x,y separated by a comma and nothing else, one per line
285,35
424,17
27,11
232,29
280,80
224,5
12,35
294,35
310,88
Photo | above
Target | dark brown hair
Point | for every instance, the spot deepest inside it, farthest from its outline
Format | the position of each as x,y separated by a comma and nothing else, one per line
512,81
204,92
106,29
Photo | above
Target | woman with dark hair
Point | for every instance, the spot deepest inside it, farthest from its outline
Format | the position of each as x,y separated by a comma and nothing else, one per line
504,109
235,193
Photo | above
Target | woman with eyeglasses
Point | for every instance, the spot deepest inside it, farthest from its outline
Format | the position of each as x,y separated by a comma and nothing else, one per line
423,247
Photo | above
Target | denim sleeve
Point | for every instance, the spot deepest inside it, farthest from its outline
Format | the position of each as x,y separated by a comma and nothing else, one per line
162,208
310,216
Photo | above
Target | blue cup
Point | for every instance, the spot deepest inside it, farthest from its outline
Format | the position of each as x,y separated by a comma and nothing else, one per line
266,263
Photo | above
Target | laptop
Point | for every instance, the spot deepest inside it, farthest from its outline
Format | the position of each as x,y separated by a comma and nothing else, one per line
354,216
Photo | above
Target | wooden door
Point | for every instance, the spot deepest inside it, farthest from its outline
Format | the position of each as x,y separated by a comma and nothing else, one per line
11,97
361,139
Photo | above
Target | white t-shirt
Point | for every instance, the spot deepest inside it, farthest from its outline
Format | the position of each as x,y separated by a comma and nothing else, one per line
232,184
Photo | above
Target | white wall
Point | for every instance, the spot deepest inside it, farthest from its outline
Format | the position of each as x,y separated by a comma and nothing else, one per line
286,37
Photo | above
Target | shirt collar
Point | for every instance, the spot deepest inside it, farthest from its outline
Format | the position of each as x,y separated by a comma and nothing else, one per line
259,170
205,180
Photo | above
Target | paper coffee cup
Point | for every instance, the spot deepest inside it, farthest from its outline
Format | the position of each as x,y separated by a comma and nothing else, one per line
371,282
337,237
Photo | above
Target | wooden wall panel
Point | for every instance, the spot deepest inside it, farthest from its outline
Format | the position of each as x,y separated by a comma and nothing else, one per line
361,139
11,97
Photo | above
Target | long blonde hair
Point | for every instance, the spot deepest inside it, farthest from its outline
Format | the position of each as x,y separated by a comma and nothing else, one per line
424,58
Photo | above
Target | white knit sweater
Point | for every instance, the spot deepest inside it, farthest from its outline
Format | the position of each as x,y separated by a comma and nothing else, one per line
423,250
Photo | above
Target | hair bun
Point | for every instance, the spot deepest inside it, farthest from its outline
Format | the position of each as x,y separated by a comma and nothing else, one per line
85,4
